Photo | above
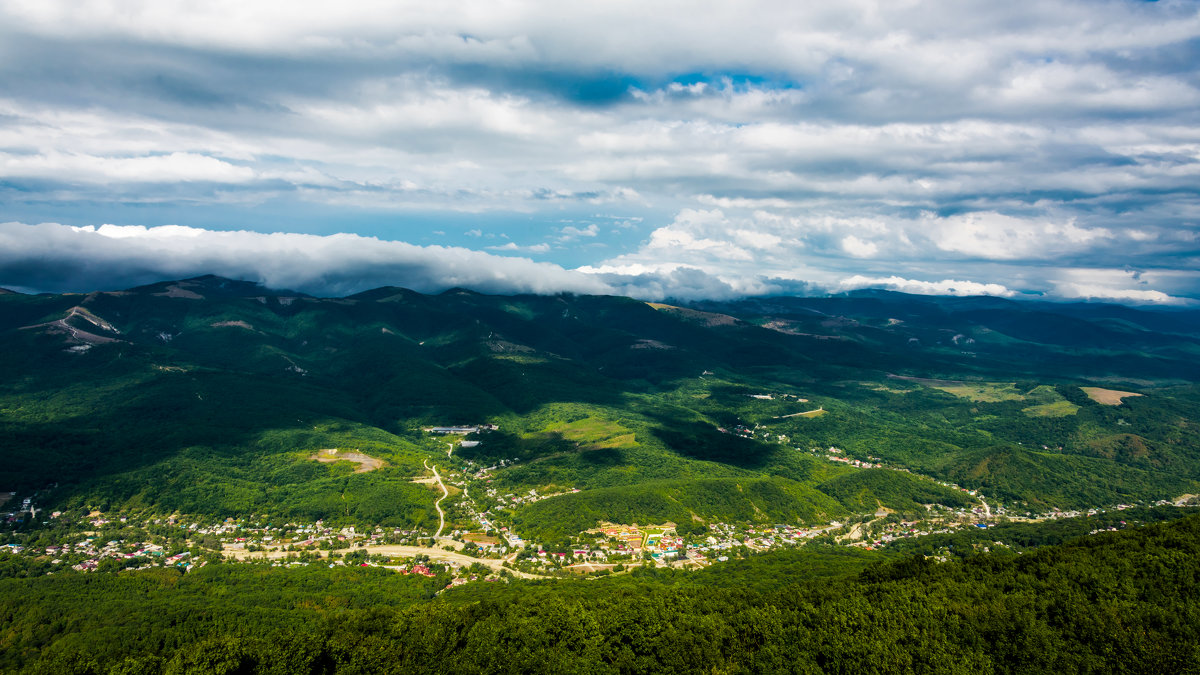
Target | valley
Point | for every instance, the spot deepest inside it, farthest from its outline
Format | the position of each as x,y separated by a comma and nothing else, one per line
464,443
178,413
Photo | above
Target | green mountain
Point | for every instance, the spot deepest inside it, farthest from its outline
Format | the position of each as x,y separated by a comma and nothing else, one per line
213,396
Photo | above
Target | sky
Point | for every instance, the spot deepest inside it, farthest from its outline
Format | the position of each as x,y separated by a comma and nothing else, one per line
656,149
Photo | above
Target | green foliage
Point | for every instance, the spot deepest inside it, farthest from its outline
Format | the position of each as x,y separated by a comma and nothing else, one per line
1113,602
214,405
1022,536
727,500
866,491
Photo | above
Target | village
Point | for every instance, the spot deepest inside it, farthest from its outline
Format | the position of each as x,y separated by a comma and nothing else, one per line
481,545
109,542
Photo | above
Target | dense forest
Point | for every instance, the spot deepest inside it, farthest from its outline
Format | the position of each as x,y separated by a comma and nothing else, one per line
1124,601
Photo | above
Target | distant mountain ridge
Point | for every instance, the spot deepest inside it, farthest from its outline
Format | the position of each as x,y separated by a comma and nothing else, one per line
211,395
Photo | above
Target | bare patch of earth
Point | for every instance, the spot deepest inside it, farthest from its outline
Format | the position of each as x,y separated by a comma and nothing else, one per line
1107,396
506,347
75,334
179,291
365,462
788,328
708,319
650,344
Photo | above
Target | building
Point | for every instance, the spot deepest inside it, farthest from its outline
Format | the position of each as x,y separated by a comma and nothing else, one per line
461,431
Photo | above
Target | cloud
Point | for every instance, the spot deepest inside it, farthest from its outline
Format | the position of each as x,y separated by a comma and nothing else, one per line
1002,237
511,246
572,233
943,287
57,257
60,258
678,282
1122,285
859,248
758,140
1086,292
172,168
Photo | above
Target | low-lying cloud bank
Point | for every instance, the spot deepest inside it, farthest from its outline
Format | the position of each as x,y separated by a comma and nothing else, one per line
54,257
50,257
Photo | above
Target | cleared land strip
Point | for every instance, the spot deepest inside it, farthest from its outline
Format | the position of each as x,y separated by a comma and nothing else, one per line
808,413
1107,396
365,462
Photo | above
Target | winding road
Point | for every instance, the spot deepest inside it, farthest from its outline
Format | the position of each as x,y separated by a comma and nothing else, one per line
438,504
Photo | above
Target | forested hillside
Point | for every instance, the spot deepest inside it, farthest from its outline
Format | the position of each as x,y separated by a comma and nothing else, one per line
210,396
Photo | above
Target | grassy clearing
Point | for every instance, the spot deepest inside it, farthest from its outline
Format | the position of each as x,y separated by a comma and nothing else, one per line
874,386
595,432
982,392
1056,409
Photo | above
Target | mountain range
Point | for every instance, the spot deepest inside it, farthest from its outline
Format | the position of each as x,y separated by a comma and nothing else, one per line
210,395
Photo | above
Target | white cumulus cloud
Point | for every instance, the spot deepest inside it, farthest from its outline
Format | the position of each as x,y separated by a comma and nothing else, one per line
859,248
917,287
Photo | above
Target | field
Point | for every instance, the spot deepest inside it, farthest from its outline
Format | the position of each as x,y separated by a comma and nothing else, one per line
364,462
1107,396
594,432
982,392
1056,409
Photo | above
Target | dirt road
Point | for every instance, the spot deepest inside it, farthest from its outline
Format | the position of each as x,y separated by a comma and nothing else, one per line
438,504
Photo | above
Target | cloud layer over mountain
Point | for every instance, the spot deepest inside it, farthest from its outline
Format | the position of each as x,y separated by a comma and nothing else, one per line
744,147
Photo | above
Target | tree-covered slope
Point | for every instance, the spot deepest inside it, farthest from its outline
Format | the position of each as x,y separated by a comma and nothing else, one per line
212,396
1113,602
